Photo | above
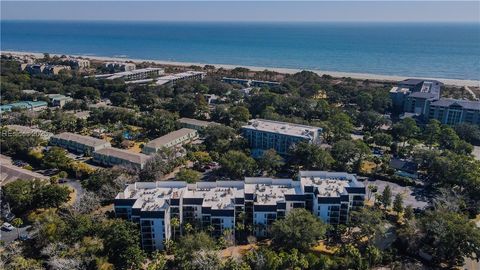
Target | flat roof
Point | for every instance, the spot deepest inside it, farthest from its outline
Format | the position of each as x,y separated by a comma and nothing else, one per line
329,184
269,191
133,157
196,122
86,140
161,141
282,128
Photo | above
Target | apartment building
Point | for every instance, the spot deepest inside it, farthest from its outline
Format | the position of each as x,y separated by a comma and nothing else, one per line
43,69
110,156
120,66
250,83
172,139
24,105
400,93
194,123
28,131
219,206
132,75
264,134
76,63
78,143
174,78
59,100
454,111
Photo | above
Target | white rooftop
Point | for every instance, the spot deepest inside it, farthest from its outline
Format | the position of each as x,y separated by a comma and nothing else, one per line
328,184
282,128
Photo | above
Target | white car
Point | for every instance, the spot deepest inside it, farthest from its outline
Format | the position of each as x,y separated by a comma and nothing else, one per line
8,227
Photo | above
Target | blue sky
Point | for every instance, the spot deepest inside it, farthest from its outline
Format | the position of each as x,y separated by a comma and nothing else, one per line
289,11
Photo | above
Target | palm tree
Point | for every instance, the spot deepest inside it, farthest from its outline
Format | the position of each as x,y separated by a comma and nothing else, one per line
175,222
188,228
17,222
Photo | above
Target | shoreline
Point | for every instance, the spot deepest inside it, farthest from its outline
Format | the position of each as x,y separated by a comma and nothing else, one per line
336,74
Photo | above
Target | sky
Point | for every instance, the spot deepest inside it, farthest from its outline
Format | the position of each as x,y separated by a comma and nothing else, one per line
246,11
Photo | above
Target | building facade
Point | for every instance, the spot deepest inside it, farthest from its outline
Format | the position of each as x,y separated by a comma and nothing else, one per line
266,134
219,206
174,78
24,105
110,156
454,111
194,123
78,143
172,139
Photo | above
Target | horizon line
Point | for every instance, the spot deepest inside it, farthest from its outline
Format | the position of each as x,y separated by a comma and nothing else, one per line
233,21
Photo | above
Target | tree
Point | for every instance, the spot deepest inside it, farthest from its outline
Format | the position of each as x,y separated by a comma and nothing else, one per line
448,138
236,164
364,101
121,241
270,162
158,262
200,158
386,197
310,157
369,222
408,212
56,157
398,203
431,132
405,130
175,222
188,246
17,222
299,229
382,139
371,121
340,125
347,151
449,237
469,133
188,175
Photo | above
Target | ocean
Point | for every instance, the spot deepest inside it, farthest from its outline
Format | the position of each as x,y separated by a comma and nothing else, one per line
439,50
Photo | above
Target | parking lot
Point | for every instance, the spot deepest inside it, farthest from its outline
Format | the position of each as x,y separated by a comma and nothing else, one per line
10,236
413,196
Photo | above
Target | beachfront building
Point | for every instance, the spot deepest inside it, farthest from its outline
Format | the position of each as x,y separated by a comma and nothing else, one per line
264,134
250,83
76,63
454,111
24,105
172,139
131,75
78,143
34,69
28,131
110,156
218,205
195,124
174,78
114,66
425,89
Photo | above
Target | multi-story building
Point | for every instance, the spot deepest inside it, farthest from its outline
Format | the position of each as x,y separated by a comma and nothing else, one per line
172,139
24,105
174,78
43,69
266,134
28,131
400,93
78,143
120,66
59,100
219,206
195,124
76,63
111,156
454,111
331,196
135,74
250,83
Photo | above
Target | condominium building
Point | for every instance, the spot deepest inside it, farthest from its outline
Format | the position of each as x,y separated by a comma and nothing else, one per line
76,63
59,100
172,139
43,69
250,83
78,143
111,156
454,111
28,131
174,78
120,66
195,124
266,134
135,74
24,105
219,206
400,93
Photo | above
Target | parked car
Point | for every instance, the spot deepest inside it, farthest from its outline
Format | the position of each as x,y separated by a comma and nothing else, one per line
62,180
7,227
24,237
8,216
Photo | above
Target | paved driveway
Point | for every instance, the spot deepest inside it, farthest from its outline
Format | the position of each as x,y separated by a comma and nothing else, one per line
411,195
9,237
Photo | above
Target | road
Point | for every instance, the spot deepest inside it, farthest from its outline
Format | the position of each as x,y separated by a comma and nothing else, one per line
77,187
9,237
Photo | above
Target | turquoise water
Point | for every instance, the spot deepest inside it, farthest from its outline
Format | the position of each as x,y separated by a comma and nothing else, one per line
422,50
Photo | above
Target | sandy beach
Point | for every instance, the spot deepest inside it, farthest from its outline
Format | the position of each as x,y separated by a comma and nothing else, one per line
362,76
